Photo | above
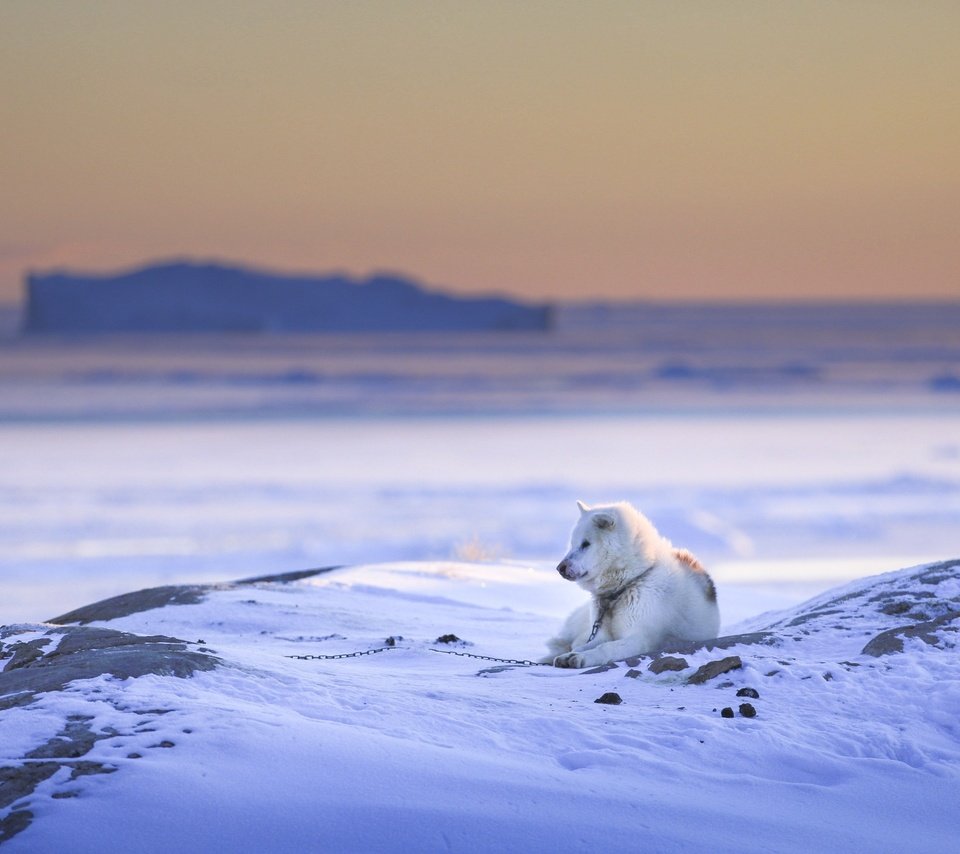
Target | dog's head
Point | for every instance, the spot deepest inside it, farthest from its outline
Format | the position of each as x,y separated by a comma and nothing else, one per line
595,544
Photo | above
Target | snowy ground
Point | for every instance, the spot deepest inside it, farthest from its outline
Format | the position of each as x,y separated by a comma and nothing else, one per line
855,744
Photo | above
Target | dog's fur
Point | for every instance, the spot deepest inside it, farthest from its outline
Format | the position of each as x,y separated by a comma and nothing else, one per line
643,591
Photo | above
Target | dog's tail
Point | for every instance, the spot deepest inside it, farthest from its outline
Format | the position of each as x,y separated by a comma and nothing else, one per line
690,561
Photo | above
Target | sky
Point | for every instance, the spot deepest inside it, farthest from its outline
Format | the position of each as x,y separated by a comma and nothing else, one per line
651,150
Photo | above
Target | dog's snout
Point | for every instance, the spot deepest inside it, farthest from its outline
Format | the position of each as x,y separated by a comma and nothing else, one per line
564,568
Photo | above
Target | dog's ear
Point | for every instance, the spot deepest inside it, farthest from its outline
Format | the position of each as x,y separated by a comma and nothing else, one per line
604,521
583,508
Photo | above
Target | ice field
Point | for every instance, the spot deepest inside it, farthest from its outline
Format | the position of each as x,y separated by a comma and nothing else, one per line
785,445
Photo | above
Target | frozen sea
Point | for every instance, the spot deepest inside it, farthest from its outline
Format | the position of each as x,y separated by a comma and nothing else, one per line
790,447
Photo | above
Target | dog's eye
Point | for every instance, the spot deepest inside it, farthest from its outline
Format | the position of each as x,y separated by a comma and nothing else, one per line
584,544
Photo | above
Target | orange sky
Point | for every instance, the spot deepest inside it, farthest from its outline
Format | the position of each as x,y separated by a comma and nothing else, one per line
622,149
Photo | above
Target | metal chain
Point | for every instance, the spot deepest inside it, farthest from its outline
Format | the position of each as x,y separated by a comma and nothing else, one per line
343,654
524,661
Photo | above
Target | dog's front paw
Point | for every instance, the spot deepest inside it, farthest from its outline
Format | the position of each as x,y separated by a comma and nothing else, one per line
569,659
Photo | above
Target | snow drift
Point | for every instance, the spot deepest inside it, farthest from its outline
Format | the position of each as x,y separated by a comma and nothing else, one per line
831,726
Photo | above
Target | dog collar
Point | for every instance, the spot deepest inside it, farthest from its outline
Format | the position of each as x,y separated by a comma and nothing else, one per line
605,603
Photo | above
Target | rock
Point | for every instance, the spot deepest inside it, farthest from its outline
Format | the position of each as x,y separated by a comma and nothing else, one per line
85,653
611,698
133,603
749,692
667,662
19,781
891,641
14,823
716,668
444,639
726,712
160,597
747,710
86,768
23,654
75,739
600,668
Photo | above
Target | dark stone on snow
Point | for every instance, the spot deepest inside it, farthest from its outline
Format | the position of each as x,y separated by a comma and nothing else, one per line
611,698
724,642
14,823
85,653
726,712
893,609
19,781
600,668
445,639
82,653
712,669
160,597
286,577
134,603
891,641
667,662
767,638
812,615
752,693
86,769
23,654
74,740
747,710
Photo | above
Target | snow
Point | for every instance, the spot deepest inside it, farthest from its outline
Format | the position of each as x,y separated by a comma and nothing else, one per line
409,749
95,509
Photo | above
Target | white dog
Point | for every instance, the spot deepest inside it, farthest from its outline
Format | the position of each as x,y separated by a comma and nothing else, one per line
644,591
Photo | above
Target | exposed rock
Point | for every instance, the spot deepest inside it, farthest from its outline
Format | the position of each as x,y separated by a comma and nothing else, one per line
610,698
891,641
14,823
86,769
752,693
133,603
17,782
712,669
767,638
160,597
600,668
285,577
893,609
667,662
726,712
24,653
747,710
813,615
85,653
82,653
74,740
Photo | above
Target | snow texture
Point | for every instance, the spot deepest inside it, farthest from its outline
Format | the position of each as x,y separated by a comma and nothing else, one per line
829,726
